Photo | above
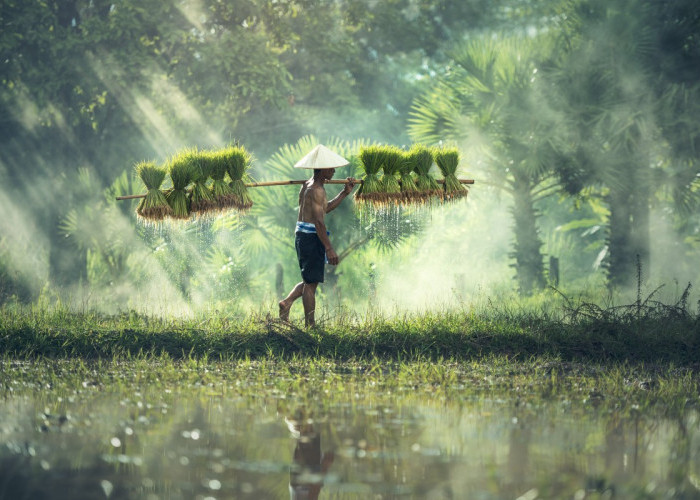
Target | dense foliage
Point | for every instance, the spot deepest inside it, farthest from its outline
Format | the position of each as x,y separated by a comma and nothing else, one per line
582,113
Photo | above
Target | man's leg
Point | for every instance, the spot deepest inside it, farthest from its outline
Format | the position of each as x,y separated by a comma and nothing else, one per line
286,304
309,300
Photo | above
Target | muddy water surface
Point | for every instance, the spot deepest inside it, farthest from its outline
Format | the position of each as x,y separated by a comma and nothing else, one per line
157,440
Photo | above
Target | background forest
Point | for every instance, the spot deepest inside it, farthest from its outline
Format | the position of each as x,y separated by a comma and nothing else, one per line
577,118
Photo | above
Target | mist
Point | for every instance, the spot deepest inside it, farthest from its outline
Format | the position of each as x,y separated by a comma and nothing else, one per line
580,156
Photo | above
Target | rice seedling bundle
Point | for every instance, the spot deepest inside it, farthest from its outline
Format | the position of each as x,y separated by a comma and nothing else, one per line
237,164
391,189
409,190
371,190
421,160
447,160
154,206
221,192
201,198
180,168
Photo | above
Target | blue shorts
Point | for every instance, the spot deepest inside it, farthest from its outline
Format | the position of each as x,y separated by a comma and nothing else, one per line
312,257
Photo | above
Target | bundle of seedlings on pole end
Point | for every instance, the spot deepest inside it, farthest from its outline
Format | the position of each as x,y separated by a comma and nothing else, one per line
201,199
180,168
370,191
237,164
447,160
222,193
391,189
409,190
154,207
422,160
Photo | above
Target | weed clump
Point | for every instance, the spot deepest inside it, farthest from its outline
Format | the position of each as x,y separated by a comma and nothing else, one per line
237,165
371,191
421,160
447,160
409,189
222,193
181,173
391,189
154,206
201,198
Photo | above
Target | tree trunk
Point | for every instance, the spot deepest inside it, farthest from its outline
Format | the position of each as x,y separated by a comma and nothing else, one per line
628,231
279,281
640,225
527,252
621,261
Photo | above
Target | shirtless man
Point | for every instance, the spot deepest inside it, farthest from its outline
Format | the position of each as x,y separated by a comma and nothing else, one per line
312,242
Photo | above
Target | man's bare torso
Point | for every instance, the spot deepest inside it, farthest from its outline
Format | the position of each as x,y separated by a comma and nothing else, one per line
312,200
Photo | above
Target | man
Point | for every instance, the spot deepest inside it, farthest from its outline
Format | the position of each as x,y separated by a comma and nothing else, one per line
312,240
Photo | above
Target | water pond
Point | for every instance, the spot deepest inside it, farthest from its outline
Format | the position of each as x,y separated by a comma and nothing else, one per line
144,430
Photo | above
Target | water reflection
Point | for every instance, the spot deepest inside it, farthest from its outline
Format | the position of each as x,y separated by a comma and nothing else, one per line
310,464
197,444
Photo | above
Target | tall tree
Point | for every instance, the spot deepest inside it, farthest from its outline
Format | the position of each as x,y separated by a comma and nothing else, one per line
490,100
617,93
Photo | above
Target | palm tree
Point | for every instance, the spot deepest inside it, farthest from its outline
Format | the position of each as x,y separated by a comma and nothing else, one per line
489,102
93,228
617,103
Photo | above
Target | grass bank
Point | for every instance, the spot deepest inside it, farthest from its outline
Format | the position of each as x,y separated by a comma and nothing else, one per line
638,333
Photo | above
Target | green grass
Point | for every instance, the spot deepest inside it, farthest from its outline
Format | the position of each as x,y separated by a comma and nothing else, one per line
635,334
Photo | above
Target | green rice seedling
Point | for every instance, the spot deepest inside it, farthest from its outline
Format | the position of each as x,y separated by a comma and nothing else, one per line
421,160
180,168
447,160
371,190
391,189
221,192
409,190
154,206
201,198
238,163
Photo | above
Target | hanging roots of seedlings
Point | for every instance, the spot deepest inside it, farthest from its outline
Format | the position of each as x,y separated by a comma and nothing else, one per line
154,206
371,189
238,162
222,193
409,190
181,175
391,189
447,160
422,160
201,198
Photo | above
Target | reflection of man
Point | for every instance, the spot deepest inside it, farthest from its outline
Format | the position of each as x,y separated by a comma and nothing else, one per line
310,465
312,242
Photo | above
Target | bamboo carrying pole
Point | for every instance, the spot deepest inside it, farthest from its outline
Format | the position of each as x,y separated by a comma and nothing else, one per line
288,183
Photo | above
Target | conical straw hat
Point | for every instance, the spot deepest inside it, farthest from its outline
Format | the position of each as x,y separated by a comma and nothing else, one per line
321,157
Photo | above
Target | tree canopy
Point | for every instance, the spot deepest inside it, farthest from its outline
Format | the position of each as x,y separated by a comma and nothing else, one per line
582,112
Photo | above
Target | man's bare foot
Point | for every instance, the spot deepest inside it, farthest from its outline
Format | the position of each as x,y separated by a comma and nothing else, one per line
284,310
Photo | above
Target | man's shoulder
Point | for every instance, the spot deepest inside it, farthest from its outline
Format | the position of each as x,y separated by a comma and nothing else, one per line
317,189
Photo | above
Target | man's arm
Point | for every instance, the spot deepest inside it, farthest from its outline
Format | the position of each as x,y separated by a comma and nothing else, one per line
342,195
319,202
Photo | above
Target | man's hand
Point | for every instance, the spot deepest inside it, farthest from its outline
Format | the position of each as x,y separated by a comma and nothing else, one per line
332,257
349,186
